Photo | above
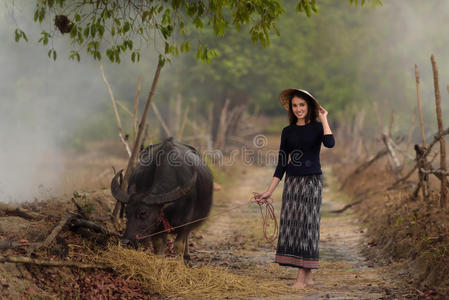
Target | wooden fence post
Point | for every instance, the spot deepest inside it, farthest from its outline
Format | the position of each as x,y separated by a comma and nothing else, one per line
440,128
418,96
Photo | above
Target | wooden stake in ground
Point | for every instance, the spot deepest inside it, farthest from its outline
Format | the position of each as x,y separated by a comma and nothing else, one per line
423,178
138,140
418,96
114,106
436,138
443,194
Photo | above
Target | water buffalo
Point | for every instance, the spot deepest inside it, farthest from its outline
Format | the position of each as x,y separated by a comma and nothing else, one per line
171,184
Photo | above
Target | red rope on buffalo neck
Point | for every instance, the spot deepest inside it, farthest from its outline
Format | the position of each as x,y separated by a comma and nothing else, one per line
164,221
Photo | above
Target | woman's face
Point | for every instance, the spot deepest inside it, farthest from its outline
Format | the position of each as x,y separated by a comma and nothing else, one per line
299,107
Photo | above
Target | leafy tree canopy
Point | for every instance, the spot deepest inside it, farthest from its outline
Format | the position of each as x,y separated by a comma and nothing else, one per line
115,27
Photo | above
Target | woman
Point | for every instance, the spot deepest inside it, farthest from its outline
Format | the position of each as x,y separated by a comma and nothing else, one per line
299,233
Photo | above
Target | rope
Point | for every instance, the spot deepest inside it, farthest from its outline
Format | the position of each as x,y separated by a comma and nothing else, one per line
138,237
269,214
165,222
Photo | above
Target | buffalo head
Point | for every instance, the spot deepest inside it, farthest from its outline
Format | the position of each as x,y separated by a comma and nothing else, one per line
160,186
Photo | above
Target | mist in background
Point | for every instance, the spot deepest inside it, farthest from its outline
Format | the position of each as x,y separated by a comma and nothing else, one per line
48,108
44,104
410,31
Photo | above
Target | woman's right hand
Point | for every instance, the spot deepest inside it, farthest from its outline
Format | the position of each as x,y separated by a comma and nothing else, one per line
263,196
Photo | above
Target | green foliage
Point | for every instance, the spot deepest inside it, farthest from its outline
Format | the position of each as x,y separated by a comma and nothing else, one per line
19,34
120,27
374,3
307,6
86,205
337,55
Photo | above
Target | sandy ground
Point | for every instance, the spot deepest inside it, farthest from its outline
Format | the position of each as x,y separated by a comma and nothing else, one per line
234,238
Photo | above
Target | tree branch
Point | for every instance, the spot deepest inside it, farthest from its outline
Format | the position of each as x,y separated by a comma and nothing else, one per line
49,263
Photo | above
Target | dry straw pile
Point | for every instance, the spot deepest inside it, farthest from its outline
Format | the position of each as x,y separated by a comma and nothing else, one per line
171,277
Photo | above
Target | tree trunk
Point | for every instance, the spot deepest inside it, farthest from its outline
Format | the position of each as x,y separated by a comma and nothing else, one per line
138,141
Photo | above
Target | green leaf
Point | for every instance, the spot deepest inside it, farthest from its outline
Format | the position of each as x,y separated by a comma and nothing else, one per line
185,46
74,55
41,14
198,23
133,57
166,17
126,27
73,31
93,30
52,54
110,54
86,31
100,30
17,35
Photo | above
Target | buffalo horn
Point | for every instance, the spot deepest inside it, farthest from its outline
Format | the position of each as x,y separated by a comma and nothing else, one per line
171,196
116,191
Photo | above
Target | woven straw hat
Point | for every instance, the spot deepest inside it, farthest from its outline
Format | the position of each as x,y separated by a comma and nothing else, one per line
286,94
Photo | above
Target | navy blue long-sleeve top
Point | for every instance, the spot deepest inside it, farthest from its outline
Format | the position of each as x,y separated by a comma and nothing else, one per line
302,144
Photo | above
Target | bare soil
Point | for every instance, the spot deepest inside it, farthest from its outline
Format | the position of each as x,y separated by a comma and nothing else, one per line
234,238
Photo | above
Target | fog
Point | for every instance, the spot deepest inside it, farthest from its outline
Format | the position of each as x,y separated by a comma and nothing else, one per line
42,102
412,31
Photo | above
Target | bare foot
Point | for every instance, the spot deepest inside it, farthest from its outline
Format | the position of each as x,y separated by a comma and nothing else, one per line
299,285
309,282
308,278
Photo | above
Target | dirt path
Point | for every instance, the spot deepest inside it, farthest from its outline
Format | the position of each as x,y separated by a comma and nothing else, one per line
234,239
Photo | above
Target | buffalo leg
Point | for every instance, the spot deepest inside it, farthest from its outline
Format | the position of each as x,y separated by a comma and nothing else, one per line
180,243
159,243
186,247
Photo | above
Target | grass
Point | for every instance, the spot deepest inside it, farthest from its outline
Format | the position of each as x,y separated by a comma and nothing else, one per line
172,278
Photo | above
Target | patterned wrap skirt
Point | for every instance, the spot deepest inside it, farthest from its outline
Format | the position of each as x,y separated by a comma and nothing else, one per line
299,232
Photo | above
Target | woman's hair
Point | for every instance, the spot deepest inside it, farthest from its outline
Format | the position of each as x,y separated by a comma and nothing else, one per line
311,108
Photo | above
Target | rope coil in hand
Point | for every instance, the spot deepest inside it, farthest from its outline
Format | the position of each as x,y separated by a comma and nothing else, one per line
267,216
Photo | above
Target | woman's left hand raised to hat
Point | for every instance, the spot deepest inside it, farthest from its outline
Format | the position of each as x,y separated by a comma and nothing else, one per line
323,117
322,112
